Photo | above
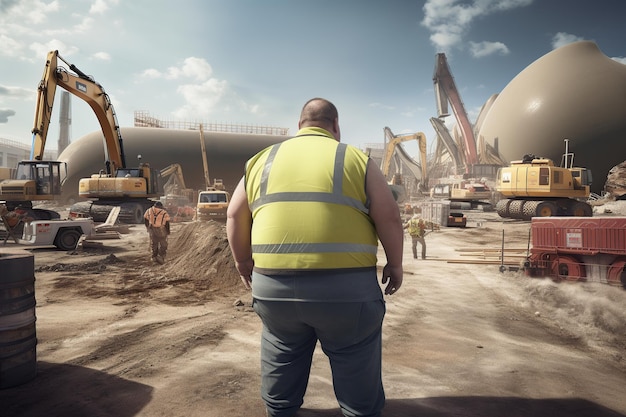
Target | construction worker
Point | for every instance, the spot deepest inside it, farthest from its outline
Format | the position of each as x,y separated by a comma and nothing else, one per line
157,221
317,281
417,230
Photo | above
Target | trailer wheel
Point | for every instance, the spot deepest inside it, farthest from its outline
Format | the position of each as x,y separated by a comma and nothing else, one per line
546,209
67,239
581,209
131,213
567,267
616,274
138,214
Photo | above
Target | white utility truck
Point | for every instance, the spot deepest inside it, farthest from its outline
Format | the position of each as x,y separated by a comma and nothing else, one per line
64,234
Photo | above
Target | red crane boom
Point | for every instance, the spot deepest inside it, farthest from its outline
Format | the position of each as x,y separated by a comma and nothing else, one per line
446,91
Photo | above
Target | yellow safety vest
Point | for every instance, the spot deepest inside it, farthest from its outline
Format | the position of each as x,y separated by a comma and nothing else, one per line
308,202
416,227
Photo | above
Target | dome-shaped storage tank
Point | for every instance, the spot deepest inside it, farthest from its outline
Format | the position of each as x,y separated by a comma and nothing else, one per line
574,92
226,154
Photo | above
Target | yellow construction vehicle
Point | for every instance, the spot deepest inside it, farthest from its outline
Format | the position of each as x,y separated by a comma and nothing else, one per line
178,200
174,187
132,189
116,184
212,202
6,173
463,193
36,179
535,187
392,149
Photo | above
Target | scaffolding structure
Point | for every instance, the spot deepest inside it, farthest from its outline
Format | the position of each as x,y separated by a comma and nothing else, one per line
12,151
144,119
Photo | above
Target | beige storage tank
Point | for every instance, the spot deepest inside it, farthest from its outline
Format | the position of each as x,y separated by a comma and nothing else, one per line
226,155
574,92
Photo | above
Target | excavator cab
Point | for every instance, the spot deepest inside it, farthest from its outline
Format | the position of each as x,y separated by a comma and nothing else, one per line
582,177
34,181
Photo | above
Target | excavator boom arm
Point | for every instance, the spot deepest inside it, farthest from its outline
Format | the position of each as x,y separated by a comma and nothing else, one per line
43,110
85,88
174,171
395,140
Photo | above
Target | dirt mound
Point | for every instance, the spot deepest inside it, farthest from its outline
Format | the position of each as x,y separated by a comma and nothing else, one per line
199,250
199,267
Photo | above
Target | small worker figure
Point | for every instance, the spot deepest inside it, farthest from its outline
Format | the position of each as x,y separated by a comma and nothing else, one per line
417,229
157,221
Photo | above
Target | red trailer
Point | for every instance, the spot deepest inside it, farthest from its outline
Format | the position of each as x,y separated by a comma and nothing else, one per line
579,249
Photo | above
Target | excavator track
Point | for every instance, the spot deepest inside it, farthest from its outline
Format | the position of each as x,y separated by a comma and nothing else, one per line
131,212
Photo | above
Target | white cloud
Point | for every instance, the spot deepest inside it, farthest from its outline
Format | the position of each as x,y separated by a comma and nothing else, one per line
621,60
15,92
10,47
85,25
201,99
194,68
42,49
28,12
101,6
150,73
102,56
204,95
21,20
482,49
449,20
562,38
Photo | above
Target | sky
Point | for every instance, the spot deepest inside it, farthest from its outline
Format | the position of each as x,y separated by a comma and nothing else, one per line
257,62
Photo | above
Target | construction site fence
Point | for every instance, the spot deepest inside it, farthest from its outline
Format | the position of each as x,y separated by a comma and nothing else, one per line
143,119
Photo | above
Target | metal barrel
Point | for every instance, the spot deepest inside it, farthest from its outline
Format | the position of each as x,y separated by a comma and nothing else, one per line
18,337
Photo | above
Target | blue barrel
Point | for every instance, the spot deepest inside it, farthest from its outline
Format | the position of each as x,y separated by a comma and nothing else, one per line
18,336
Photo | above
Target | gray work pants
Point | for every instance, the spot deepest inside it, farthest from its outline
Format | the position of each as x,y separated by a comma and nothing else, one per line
349,334
158,241
422,241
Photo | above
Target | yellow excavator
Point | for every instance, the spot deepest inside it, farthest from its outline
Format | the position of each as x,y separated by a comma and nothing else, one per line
177,199
37,179
116,184
174,186
40,180
392,149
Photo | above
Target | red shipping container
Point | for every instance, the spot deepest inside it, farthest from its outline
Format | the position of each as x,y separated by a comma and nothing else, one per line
579,235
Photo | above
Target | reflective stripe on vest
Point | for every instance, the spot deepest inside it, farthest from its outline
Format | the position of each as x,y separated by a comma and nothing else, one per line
154,217
336,197
348,240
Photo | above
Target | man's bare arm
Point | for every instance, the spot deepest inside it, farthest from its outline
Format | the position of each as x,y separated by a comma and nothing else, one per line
238,228
385,213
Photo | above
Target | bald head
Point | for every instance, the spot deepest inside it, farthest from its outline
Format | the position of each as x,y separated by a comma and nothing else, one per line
319,112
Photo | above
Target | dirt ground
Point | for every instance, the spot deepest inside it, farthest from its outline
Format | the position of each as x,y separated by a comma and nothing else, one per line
120,336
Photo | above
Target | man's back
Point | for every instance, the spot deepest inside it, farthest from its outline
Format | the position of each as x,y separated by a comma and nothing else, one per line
307,197
302,233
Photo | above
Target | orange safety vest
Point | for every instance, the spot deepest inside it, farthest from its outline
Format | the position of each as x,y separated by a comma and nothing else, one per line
157,217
